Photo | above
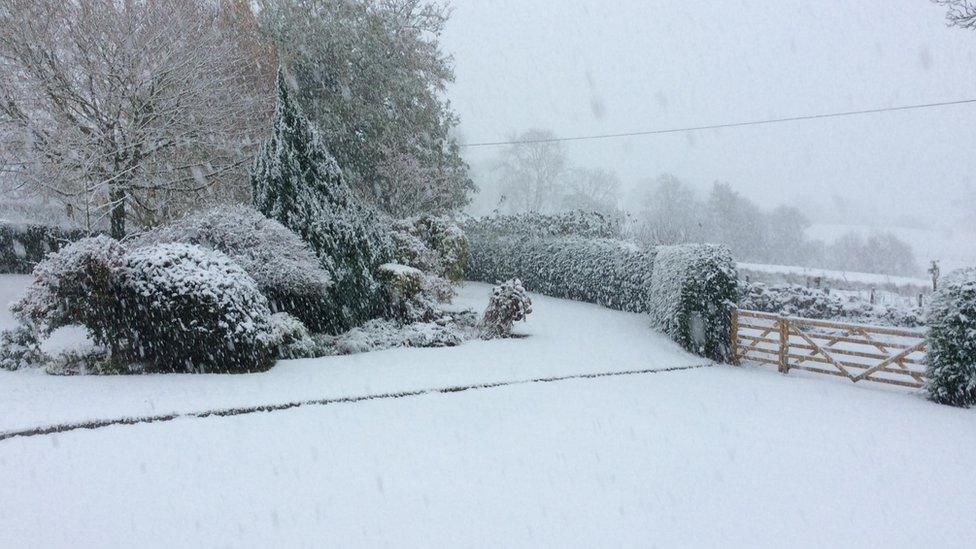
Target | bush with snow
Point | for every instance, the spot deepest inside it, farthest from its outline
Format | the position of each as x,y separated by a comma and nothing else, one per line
435,245
23,245
20,348
296,181
284,267
689,291
292,338
381,334
508,304
176,307
952,340
411,294
816,303
692,297
194,310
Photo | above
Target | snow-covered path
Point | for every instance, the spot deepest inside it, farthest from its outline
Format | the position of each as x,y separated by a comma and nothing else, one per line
718,456
566,338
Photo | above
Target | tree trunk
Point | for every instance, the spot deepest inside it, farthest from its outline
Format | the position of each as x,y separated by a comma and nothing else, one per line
117,197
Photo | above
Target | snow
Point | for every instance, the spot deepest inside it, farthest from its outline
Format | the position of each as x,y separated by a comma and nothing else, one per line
715,456
719,457
846,276
565,337
954,249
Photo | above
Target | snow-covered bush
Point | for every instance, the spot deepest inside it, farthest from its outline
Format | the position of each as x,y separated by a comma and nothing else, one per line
191,309
292,338
797,300
24,245
692,297
508,304
20,348
284,267
296,181
952,340
382,334
573,223
411,294
607,272
434,245
89,361
77,285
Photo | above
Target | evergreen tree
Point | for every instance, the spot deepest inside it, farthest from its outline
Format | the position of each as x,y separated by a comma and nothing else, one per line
952,340
296,181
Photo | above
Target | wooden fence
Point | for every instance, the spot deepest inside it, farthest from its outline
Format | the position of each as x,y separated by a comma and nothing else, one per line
857,352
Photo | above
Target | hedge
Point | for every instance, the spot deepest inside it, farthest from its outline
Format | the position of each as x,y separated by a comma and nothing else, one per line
952,340
24,245
689,291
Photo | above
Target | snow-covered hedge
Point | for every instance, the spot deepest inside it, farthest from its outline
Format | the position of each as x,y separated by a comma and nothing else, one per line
23,245
689,291
284,267
796,300
574,223
952,340
177,307
692,297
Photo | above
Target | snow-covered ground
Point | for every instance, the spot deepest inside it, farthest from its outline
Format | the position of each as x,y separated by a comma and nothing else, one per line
565,338
953,249
718,456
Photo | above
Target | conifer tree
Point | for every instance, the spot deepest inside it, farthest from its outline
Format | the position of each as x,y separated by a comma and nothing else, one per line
296,181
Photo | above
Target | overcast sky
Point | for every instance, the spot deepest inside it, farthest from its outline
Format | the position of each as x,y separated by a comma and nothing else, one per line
595,66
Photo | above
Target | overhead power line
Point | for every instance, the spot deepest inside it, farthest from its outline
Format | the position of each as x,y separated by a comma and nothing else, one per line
725,125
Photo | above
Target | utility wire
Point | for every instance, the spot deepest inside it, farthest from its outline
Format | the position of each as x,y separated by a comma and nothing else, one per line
726,125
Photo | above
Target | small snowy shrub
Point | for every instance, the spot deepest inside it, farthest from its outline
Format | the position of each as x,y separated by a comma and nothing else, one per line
693,293
412,295
434,245
380,334
192,309
285,268
22,246
509,303
952,340
20,348
291,337
77,285
97,361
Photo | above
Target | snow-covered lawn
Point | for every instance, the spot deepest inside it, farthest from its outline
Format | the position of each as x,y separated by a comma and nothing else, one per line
565,338
717,456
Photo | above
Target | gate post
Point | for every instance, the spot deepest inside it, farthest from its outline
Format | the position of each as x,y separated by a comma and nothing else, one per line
784,344
735,336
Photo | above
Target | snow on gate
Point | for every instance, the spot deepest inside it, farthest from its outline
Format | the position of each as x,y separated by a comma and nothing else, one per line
857,352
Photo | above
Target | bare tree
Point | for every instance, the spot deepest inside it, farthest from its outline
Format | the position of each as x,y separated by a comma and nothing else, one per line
592,189
961,13
126,109
532,172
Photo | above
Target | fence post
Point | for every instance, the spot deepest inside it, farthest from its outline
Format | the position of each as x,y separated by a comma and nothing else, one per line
784,344
735,335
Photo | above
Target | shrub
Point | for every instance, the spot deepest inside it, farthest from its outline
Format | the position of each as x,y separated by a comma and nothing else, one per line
607,272
192,309
292,338
797,300
689,291
296,180
509,303
20,348
284,267
434,245
175,306
24,245
952,340
692,297
532,224
77,285
412,295
382,334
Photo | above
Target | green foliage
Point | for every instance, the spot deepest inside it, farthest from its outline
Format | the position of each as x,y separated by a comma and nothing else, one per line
952,340
435,245
298,182
23,246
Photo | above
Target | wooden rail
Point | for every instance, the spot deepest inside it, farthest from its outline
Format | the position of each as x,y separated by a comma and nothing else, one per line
858,352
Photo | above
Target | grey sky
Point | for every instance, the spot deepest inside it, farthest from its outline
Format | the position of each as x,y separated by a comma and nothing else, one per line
591,66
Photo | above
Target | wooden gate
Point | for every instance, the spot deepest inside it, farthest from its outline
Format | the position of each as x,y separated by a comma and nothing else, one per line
857,352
